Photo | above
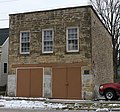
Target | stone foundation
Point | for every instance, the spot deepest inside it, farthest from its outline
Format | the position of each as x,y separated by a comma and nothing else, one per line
11,85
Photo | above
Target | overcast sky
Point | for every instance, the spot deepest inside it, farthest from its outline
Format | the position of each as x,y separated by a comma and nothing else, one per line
19,6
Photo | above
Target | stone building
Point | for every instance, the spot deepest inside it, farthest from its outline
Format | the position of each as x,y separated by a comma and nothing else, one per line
59,53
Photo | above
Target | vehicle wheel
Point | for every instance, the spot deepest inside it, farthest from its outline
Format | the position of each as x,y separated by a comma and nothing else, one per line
110,95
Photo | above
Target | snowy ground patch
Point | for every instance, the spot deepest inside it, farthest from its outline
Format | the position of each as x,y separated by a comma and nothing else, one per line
31,104
28,103
102,110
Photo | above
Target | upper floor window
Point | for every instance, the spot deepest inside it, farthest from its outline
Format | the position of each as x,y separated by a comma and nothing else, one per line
25,42
47,40
72,39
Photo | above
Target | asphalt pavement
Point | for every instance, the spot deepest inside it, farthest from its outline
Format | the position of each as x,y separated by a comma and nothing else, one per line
32,110
35,110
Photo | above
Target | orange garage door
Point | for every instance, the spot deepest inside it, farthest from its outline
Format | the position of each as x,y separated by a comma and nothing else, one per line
29,82
59,88
66,83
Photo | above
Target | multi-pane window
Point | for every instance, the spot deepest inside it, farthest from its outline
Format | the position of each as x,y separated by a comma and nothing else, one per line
5,67
25,43
47,41
72,39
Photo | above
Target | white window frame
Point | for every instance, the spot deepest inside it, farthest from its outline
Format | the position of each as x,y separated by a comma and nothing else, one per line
77,50
50,29
21,52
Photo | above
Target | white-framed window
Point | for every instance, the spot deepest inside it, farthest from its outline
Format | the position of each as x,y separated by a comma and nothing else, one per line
25,42
72,39
47,40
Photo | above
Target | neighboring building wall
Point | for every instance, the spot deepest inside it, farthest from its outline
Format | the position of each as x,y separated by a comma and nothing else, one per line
4,59
0,61
101,52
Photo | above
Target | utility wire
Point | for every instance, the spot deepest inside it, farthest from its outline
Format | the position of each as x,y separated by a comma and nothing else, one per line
4,19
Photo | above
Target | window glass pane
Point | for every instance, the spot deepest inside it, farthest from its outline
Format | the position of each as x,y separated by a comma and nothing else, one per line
25,47
72,31
47,48
48,41
25,42
72,39
25,37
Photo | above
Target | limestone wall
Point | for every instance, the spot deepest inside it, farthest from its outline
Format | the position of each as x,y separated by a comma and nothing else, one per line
102,59
58,20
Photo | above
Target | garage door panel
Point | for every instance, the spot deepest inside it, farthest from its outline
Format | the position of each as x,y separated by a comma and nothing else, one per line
59,82
29,82
74,80
36,82
23,81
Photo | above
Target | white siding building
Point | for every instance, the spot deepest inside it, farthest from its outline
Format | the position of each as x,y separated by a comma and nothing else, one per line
4,43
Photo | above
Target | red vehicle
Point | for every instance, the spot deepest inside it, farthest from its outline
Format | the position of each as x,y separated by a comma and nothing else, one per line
111,91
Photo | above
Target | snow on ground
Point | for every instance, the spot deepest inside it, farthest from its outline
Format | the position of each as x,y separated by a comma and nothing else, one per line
102,110
31,103
46,104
